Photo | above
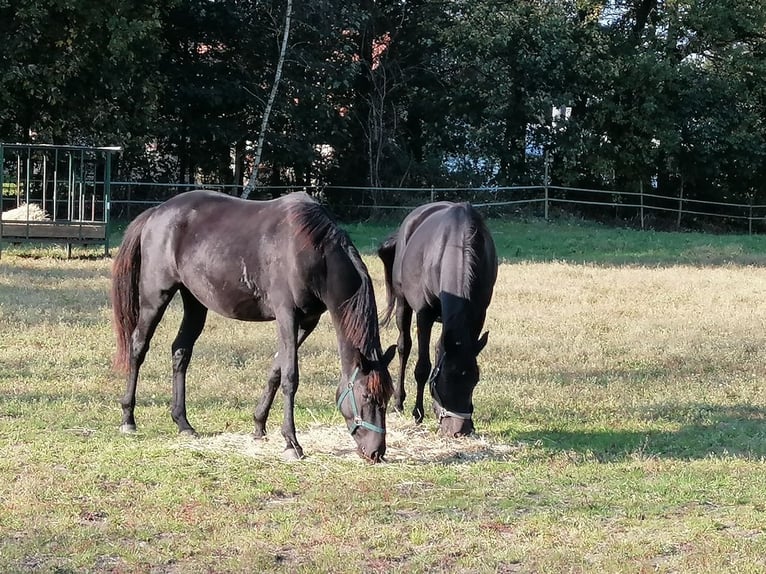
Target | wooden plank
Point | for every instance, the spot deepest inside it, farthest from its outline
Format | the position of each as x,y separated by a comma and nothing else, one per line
52,230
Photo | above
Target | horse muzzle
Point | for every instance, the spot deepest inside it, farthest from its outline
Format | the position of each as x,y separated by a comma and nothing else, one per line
453,427
370,446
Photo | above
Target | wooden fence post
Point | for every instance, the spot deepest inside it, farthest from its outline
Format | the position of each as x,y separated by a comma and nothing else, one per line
680,204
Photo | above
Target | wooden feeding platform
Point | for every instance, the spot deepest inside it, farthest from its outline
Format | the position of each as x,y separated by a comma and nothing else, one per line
61,232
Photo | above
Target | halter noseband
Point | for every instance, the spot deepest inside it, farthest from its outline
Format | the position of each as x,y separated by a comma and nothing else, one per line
357,422
442,412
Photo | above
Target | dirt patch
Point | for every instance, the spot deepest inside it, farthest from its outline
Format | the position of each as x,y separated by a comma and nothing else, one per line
406,443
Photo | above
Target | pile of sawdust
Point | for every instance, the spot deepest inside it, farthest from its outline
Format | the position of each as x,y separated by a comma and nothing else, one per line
406,442
26,212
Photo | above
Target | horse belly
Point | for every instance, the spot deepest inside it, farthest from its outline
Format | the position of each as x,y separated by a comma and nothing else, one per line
243,308
233,300
252,310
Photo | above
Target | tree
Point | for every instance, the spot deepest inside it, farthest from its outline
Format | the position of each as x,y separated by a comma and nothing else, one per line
78,71
272,95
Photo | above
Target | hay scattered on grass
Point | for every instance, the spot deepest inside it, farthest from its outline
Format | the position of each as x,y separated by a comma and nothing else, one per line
406,443
26,212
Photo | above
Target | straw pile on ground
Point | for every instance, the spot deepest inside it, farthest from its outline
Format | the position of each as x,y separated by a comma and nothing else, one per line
406,443
26,212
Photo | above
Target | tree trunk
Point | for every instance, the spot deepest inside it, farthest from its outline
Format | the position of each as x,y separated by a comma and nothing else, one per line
251,184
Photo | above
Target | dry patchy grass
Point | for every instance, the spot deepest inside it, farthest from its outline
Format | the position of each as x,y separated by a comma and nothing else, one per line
621,414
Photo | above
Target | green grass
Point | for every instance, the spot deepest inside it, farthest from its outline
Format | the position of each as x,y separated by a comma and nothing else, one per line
580,242
572,240
623,379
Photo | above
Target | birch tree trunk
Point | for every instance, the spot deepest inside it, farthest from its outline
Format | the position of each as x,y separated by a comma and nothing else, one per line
253,181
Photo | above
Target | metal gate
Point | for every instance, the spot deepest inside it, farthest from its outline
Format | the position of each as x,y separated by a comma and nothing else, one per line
53,193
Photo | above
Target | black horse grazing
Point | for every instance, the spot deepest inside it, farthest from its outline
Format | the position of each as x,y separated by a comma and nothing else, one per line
282,260
442,264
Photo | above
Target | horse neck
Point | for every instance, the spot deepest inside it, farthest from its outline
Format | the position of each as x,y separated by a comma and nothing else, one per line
457,272
349,342
462,317
351,305
467,282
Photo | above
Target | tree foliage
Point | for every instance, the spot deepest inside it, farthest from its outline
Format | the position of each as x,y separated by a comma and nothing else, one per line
663,93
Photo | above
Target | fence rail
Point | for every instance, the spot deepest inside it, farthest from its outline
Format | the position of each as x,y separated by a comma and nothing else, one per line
130,197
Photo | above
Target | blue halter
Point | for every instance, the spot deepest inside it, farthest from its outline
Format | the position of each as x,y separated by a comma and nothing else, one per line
357,422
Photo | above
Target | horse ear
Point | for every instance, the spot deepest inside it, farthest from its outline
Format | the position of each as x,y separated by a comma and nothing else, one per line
388,356
482,342
364,363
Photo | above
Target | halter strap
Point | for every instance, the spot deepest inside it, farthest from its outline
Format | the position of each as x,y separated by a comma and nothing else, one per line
442,412
357,422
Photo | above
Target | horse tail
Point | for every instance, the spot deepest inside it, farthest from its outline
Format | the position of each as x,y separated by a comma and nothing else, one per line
387,252
126,271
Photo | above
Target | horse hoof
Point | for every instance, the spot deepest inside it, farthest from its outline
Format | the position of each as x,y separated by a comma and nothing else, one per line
127,428
188,432
291,454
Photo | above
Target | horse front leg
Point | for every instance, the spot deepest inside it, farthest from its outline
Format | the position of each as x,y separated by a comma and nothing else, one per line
423,366
404,346
288,365
263,407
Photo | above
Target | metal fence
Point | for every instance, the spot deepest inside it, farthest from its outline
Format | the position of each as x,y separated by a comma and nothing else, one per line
643,209
55,193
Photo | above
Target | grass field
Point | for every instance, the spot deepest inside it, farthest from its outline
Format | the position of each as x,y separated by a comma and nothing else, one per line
620,413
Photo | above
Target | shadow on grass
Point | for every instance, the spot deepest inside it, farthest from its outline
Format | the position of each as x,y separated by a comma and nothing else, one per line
738,430
12,272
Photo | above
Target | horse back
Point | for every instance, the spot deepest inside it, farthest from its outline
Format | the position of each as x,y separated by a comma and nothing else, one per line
444,249
240,258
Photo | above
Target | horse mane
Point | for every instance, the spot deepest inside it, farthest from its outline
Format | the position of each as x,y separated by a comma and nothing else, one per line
380,391
473,242
311,222
358,314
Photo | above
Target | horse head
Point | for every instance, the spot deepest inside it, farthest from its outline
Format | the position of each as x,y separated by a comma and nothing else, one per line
452,382
362,400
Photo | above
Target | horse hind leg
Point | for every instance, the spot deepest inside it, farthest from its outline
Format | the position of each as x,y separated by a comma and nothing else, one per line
150,314
191,327
404,347
263,407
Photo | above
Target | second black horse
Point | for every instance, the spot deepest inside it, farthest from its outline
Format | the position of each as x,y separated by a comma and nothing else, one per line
441,263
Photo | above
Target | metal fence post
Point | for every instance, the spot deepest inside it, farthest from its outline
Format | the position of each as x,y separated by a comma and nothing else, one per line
107,198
